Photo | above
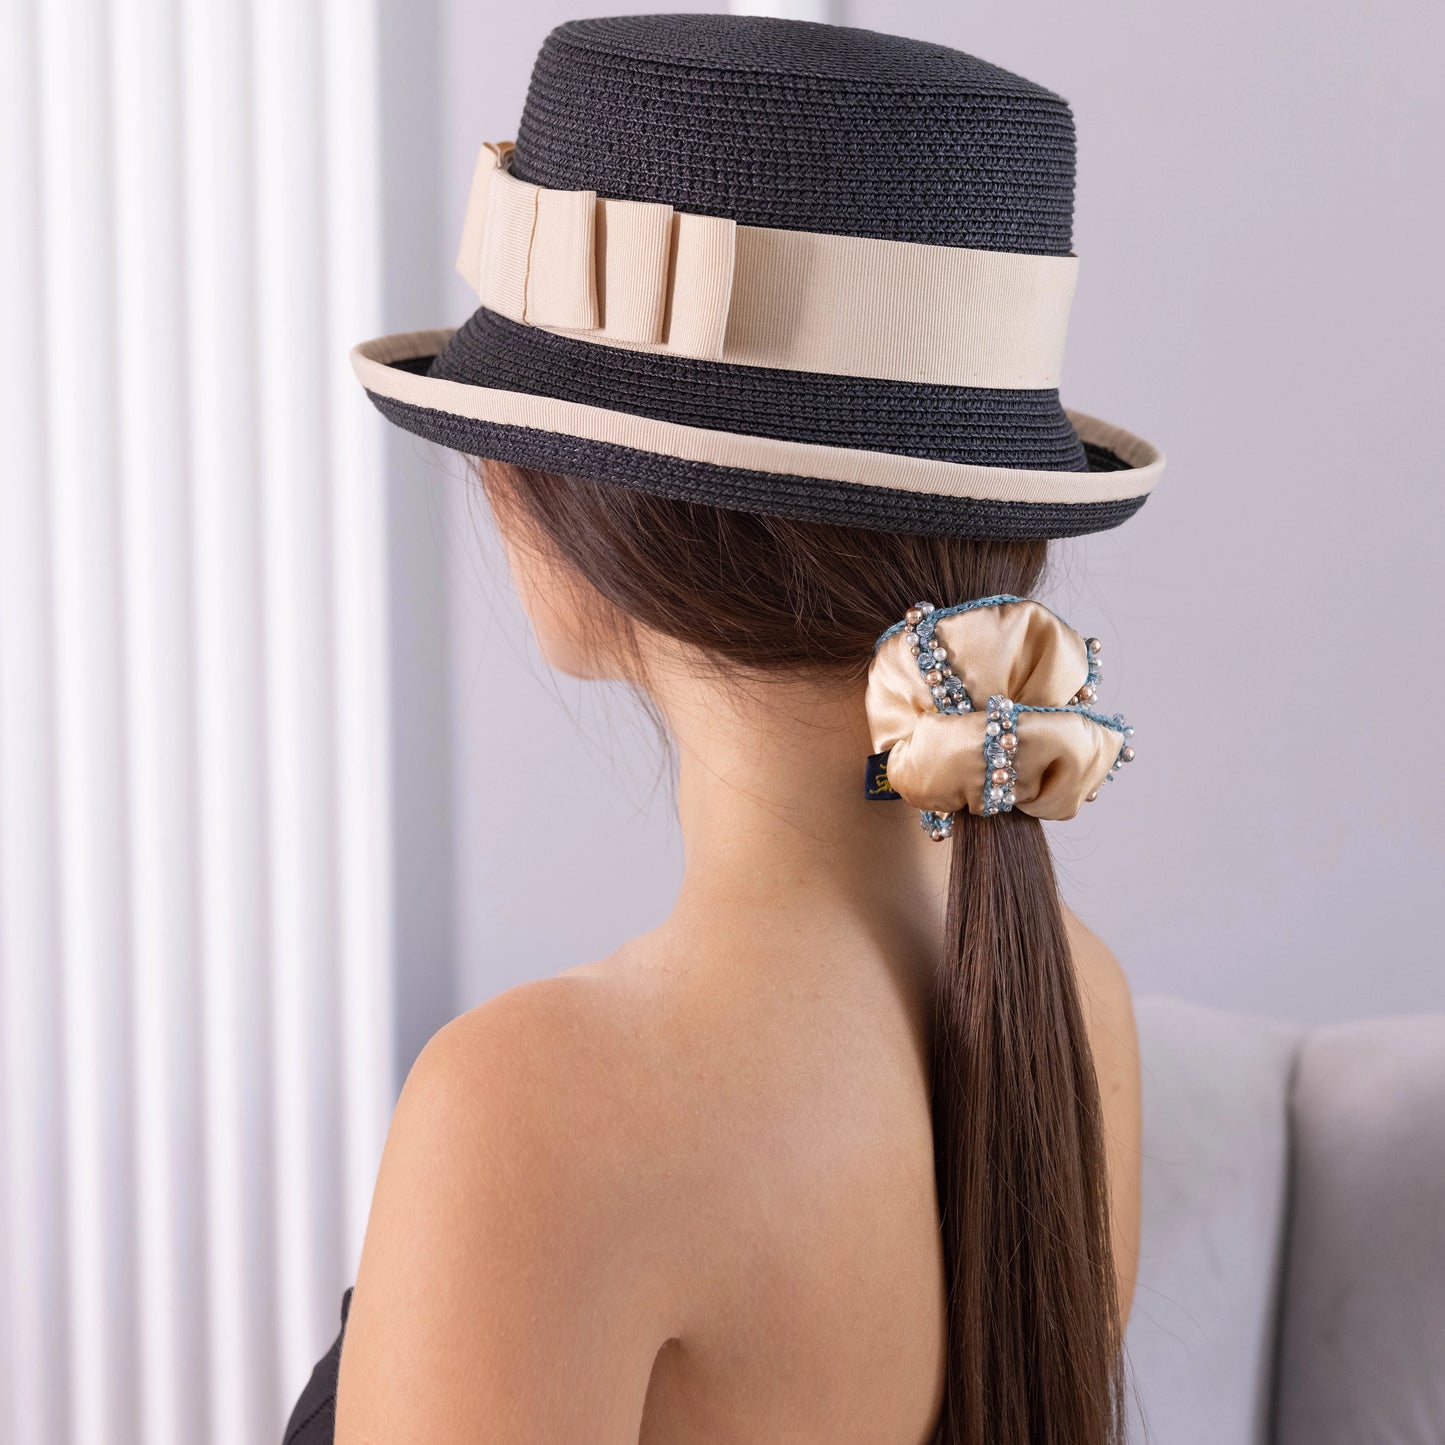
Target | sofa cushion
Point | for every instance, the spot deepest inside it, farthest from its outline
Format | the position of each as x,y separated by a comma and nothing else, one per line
1202,1333
1362,1358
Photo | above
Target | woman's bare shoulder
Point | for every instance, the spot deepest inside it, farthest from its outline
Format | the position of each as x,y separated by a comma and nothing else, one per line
1109,1016
514,1183
541,1086
1103,987
550,1030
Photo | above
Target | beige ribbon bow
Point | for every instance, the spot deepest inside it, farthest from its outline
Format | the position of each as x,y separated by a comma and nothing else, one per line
635,273
1016,649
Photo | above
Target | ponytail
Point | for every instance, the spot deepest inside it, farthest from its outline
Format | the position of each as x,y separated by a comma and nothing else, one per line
1034,1332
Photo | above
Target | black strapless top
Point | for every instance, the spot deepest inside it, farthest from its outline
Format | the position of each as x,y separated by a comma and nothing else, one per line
313,1421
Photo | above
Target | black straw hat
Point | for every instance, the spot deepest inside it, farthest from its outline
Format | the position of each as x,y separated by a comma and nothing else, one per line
796,269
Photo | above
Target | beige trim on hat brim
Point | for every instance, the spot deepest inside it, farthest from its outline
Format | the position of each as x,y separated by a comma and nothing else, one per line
375,363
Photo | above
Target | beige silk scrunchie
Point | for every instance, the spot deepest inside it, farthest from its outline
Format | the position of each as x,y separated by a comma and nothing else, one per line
988,706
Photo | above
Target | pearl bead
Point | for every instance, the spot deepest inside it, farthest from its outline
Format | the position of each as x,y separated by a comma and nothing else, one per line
933,678
1086,693
1008,742
999,776
1127,755
1128,732
992,729
938,835
913,616
1094,645
940,653
1092,797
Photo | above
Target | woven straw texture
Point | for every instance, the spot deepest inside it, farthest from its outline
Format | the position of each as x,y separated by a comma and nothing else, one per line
803,127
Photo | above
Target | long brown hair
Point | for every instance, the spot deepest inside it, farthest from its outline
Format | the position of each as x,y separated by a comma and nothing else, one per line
1034,1353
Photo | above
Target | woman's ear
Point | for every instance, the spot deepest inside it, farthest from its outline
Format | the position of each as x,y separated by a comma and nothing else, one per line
578,631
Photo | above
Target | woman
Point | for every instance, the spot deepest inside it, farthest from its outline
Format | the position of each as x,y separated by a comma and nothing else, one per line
766,376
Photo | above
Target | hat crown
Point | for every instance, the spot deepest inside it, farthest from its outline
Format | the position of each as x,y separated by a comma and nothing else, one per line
800,126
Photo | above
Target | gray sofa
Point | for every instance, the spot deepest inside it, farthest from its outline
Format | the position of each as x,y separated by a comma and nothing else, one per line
1292,1270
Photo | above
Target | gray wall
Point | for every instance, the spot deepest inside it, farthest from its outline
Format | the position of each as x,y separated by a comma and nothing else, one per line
415,176
1258,295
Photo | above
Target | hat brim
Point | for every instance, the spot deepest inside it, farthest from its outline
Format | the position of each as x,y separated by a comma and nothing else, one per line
807,481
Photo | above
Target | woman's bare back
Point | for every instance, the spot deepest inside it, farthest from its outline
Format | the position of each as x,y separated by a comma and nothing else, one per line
812,1305
686,1194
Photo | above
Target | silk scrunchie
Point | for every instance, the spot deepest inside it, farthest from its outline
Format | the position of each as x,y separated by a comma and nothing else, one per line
934,689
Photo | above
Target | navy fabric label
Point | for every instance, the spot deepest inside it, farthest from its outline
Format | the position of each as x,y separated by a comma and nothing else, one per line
875,779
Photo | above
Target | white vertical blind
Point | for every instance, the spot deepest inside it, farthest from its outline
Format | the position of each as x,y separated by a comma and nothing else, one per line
360,622
195,917
291,239
31,1172
222,355
92,969
155,565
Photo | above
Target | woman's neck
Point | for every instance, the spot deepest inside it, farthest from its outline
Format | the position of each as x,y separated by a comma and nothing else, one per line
774,817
